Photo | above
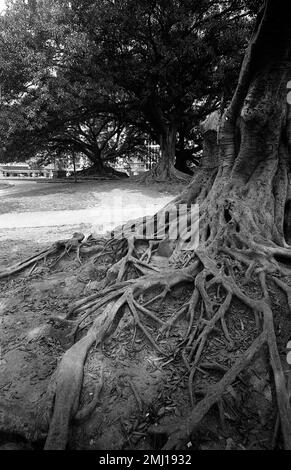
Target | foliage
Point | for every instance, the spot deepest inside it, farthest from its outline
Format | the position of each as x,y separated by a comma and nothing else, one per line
140,66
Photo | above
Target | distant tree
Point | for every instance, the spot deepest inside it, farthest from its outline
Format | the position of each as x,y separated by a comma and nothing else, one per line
51,104
157,66
102,140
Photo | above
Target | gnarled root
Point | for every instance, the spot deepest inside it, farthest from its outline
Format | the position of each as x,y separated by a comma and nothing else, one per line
70,372
69,380
205,313
179,433
172,174
66,245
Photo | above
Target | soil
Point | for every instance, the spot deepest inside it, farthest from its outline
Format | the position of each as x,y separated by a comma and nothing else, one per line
32,345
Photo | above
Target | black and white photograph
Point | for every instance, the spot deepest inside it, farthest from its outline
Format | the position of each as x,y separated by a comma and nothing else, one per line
145,228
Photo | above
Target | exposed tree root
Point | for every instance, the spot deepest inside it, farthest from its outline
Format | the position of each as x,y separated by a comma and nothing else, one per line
180,434
205,314
204,274
134,284
172,174
69,379
65,245
68,382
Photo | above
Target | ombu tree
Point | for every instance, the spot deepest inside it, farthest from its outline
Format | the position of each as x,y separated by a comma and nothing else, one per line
167,56
241,190
49,103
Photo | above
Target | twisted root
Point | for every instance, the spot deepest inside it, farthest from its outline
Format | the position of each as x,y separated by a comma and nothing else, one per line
66,245
105,308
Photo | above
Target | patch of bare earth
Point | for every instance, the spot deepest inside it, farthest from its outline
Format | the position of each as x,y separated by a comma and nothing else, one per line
32,343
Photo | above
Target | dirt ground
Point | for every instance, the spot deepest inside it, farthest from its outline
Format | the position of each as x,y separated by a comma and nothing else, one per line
141,386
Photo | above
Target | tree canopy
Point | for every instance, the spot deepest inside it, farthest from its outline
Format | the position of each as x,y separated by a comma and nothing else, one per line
157,66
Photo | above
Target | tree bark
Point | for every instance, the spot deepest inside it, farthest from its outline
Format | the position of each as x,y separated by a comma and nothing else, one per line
249,161
98,166
165,165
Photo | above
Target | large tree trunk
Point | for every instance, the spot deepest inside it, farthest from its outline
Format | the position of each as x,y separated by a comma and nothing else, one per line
242,189
99,168
96,160
165,165
248,195
165,169
251,156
